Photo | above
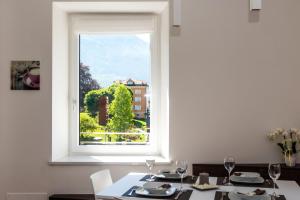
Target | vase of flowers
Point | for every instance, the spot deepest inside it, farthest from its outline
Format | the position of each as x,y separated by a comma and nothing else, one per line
288,141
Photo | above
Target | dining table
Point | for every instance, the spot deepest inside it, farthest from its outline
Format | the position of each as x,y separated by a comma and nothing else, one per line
290,189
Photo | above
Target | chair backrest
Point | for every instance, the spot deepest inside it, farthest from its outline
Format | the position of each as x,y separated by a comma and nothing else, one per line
101,180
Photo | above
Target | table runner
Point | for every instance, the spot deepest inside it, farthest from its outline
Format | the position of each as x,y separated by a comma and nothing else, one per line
184,196
265,184
188,179
218,196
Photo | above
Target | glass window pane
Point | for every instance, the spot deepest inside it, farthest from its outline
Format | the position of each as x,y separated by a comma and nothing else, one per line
114,82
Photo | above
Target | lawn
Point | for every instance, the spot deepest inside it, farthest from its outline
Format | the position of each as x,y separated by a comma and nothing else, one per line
113,138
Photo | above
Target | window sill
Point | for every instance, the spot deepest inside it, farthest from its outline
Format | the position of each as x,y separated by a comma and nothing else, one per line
108,160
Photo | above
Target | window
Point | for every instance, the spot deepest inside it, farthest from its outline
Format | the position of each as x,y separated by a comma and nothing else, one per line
115,60
130,83
137,107
137,91
80,31
110,65
137,99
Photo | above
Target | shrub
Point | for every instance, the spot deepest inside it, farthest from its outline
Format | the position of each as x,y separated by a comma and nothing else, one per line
139,124
91,100
87,123
86,137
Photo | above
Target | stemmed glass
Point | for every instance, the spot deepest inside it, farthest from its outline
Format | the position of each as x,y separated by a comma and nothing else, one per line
229,164
274,173
150,165
181,169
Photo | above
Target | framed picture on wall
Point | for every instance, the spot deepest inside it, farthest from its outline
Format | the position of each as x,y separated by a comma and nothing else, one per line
25,75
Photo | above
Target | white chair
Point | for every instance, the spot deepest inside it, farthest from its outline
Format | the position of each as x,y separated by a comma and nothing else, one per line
101,180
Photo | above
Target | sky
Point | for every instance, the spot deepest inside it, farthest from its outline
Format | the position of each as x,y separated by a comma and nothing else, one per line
116,57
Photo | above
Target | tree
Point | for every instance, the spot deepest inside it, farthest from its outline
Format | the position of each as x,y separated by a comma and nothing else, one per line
121,110
91,100
87,123
86,83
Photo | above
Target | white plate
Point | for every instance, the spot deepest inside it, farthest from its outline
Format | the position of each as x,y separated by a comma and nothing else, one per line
153,185
237,196
155,192
173,176
247,177
248,174
238,179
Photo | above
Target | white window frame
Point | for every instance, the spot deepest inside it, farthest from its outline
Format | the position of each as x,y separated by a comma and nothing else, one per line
63,103
115,24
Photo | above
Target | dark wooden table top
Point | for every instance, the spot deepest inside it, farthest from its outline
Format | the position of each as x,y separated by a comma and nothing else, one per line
72,196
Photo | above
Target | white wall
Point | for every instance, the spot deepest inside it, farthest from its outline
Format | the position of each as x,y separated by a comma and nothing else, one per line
233,76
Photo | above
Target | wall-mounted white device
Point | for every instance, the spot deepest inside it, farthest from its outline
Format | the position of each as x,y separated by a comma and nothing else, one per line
176,12
255,5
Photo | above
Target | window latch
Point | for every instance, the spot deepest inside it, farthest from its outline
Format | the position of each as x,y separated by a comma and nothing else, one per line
74,105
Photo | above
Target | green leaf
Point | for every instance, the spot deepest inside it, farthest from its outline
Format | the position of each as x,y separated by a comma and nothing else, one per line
121,110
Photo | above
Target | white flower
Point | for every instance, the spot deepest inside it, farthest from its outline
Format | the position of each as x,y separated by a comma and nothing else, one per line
273,135
279,131
294,130
298,136
277,134
285,133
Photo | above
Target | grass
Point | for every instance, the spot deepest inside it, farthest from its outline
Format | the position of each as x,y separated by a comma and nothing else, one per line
113,137
99,135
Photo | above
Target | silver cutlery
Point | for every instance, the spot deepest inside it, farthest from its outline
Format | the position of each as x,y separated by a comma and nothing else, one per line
178,195
223,196
117,198
131,192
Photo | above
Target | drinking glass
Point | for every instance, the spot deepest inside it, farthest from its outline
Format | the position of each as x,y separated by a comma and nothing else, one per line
229,164
150,165
181,169
274,173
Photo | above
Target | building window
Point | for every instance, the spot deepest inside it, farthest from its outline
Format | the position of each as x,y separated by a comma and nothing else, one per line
88,74
130,83
137,99
137,107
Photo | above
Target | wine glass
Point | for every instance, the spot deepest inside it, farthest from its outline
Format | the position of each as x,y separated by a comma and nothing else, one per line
150,165
229,164
181,169
274,173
